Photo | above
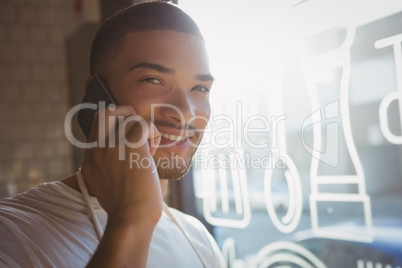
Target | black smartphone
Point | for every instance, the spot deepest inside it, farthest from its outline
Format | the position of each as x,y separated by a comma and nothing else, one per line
96,93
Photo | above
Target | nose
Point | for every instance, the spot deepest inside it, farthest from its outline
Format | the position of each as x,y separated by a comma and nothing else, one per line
178,109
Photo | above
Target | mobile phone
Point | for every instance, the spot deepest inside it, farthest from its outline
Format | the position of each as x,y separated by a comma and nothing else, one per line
96,93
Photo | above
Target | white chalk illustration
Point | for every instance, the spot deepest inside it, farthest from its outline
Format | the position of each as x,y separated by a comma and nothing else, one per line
394,41
338,58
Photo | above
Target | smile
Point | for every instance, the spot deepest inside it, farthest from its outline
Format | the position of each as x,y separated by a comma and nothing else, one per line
173,137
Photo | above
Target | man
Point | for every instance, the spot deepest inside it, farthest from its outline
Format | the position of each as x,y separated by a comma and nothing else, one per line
151,53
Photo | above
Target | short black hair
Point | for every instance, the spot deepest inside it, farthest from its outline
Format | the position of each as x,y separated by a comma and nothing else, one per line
146,16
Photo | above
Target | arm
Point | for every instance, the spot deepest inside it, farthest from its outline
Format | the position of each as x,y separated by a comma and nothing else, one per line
131,195
123,245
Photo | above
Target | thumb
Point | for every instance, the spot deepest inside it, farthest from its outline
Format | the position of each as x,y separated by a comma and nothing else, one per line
154,138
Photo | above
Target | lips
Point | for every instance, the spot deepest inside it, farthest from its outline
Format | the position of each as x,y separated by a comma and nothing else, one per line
174,134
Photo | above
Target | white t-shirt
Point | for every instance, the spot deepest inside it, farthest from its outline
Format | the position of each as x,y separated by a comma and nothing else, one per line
49,226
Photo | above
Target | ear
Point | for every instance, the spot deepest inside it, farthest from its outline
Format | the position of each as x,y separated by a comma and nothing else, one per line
87,80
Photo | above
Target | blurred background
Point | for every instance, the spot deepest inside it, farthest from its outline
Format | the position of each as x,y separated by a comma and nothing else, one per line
306,109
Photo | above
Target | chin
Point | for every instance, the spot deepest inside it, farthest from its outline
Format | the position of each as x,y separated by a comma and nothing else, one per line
173,173
172,166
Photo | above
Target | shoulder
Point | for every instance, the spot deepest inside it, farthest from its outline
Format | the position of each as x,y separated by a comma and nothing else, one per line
35,226
48,204
44,195
29,209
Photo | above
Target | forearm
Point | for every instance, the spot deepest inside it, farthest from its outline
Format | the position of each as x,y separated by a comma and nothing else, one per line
123,245
130,195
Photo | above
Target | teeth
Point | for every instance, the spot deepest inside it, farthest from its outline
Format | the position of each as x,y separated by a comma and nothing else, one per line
172,137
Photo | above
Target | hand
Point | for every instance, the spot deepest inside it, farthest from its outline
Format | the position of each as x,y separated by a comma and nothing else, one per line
129,194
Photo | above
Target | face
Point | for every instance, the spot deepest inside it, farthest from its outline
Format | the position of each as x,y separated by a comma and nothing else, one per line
165,77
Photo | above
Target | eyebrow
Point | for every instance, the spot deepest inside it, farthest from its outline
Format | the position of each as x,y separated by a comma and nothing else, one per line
154,66
205,77
166,70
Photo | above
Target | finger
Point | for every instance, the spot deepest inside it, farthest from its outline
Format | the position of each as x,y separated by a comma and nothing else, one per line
154,138
136,132
154,144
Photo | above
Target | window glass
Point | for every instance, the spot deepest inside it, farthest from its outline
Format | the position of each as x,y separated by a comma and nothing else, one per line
301,163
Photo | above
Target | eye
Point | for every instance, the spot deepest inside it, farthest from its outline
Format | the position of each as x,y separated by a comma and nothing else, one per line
201,89
152,80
